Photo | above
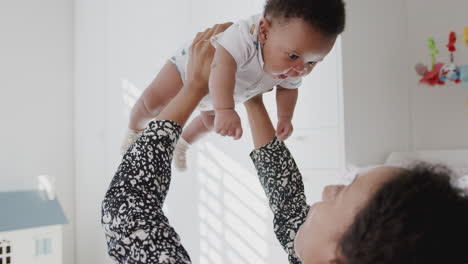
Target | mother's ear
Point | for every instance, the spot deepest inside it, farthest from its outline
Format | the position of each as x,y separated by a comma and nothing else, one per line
264,28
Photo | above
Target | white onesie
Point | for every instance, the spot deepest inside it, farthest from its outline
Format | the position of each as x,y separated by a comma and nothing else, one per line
241,41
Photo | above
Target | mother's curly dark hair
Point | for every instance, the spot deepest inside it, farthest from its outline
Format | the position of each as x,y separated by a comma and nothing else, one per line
416,218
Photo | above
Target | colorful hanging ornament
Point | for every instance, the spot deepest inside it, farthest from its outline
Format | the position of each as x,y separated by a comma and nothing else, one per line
465,36
450,72
421,69
430,77
464,68
464,75
451,45
433,51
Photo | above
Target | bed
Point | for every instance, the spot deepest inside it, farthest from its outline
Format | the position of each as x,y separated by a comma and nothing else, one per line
455,159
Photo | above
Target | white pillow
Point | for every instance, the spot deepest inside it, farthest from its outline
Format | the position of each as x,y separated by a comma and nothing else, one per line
455,159
463,183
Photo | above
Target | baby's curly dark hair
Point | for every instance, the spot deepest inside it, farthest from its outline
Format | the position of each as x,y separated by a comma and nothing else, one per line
327,16
416,218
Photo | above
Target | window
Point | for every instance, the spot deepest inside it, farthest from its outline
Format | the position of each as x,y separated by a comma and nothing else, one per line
5,252
43,246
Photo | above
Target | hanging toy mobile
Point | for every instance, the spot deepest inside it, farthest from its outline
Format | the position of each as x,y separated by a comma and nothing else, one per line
430,77
450,71
465,36
440,73
463,69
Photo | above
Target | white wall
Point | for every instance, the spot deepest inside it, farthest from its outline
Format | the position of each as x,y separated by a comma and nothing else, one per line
375,80
218,207
36,134
439,114
385,108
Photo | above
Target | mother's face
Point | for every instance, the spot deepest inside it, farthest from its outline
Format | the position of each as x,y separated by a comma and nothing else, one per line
317,239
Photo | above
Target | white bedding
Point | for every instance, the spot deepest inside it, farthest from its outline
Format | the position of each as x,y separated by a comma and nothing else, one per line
455,159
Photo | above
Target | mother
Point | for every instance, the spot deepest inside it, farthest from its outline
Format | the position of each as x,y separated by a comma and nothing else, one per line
387,215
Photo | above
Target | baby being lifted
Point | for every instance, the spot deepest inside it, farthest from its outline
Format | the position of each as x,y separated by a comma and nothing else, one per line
273,49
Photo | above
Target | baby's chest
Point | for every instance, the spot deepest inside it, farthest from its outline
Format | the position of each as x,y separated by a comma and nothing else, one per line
250,85
251,77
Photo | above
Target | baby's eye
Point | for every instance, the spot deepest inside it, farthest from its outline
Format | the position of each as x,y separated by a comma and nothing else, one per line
293,56
312,63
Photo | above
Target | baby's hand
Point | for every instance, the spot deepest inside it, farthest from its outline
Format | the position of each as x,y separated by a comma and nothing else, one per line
284,128
227,123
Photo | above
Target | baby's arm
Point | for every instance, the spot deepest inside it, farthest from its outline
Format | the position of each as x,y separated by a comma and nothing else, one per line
222,83
286,102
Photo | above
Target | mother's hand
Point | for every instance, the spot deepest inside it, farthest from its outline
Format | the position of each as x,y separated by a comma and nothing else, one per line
201,55
195,88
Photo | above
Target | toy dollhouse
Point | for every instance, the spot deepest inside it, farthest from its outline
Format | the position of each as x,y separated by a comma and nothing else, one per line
30,228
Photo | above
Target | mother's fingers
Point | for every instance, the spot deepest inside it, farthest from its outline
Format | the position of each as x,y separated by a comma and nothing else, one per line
197,38
201,37
218,28
202,52
209,32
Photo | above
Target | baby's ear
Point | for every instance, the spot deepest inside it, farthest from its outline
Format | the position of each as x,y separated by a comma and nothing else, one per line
264,27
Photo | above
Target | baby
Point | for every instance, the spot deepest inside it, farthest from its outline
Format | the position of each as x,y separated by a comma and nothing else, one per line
252,56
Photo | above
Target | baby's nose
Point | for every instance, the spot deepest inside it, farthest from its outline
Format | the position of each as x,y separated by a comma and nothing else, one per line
293,73
299,70
300,67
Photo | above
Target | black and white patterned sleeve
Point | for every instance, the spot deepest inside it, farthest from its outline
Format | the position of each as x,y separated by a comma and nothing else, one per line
136,229
283,186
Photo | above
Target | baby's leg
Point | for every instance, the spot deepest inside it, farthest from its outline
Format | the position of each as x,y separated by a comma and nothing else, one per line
200,126
156,96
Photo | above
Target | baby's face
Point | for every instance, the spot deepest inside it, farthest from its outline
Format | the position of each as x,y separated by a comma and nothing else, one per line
292,48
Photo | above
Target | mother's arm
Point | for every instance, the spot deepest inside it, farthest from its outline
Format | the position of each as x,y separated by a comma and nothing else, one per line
198,71
136,229
279,176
